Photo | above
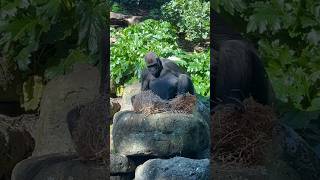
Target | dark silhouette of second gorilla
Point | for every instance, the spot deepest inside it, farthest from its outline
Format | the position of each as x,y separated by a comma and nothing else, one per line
236,69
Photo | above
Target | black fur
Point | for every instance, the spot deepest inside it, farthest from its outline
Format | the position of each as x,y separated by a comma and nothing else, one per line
164,78
236,69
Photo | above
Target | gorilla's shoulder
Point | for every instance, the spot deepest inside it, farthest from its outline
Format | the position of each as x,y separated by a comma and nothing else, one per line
172,66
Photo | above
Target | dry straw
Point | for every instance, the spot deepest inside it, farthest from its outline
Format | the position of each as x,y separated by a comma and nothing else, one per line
148,103
241,136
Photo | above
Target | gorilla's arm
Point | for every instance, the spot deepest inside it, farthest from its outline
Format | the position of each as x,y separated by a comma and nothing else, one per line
145,79
185,85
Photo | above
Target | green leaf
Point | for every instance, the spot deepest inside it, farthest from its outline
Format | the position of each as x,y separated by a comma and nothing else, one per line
314,37
92,22
23,59
307,22
9,8
32,93
21,26
315,104
53,71
75,56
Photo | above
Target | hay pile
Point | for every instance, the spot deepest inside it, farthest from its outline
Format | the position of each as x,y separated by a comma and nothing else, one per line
148,103
242,137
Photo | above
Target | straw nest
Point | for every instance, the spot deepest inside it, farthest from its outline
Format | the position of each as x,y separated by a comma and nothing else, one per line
148,103
242,136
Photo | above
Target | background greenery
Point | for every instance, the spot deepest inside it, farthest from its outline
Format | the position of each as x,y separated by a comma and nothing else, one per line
287,34
164,35
43,39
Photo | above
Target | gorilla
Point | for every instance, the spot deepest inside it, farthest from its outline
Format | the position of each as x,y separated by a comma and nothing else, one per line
164,78
237,71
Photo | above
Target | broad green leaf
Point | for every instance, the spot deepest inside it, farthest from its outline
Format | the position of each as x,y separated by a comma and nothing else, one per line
53,71
32,93
23,59
315,104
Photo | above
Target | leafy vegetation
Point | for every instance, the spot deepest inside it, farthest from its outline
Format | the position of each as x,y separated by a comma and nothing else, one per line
160,34
287,34
132,44
191,18
117,8
141,3
45,38
198,65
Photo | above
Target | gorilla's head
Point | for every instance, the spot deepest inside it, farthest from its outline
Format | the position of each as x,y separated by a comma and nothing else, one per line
153,64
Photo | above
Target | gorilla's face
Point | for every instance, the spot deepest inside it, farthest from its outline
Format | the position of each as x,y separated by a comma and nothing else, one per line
155,69
153,64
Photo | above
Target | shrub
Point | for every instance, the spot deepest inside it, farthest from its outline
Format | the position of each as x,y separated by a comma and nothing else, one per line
134,42
150,4
292,57
198,66
191,18
289,39
45,38
127,54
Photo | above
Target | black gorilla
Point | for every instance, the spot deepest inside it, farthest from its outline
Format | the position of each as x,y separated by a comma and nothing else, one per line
164,78
237,71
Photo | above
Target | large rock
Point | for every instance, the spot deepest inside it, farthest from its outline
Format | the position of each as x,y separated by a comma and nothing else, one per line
122,177
123,19
114,106
88,126
128,92
121,167
16,142
60,166
163,134
176,168
121,164
60,95
204,111
292,149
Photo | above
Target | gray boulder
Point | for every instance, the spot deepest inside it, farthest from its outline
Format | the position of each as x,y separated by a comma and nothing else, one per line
16,142
163,134
120,164
122,177
60,95
114,106
121,167
204,111
128,92
62,166
291,148
176,168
